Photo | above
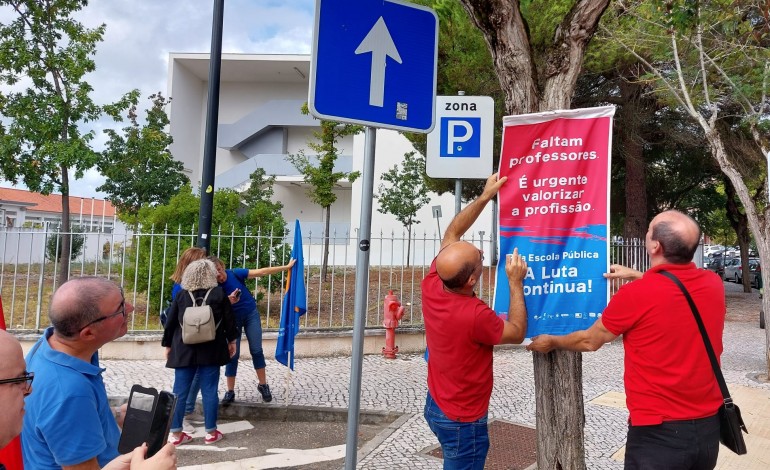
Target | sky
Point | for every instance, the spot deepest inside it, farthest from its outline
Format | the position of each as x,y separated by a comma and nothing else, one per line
141,33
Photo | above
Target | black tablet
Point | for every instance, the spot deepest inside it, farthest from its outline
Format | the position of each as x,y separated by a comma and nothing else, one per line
148,419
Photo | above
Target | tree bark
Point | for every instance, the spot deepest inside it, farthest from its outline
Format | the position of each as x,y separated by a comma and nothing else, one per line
558,375
409,245
559,403
757,221
632,150
740,224
66,236
325,263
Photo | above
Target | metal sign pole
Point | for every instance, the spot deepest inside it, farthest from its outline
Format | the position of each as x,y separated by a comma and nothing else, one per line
458,195
212,120
437,216
362,285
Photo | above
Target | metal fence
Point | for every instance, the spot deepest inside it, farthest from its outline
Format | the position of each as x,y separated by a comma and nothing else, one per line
143,259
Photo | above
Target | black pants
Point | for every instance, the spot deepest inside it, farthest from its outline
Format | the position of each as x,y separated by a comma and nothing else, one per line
691,444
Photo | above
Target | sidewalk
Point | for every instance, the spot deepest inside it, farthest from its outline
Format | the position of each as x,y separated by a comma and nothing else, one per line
400,385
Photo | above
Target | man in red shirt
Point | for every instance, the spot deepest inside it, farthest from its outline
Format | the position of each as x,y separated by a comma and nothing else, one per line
671,392
461,331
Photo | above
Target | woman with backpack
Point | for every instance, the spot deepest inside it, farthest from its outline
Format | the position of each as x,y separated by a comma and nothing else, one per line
189,255
189,351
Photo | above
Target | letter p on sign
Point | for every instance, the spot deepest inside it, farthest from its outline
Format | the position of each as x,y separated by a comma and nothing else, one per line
462,137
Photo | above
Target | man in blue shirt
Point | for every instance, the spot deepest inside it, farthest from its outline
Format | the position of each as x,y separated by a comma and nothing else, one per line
233,281
69,422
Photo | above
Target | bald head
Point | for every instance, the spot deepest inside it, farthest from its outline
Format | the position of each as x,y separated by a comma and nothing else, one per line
678,235
456,263
9,349
11,395
77,302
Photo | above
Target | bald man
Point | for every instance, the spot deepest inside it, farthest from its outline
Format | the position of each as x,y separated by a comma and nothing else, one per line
69,423
461,331
671,392
15,384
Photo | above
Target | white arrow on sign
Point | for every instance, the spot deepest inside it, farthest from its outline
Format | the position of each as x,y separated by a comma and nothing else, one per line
380,43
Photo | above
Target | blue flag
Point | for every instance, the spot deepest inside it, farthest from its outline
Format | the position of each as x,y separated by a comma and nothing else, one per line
294,303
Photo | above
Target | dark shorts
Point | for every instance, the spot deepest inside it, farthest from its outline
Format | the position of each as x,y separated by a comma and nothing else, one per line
691,444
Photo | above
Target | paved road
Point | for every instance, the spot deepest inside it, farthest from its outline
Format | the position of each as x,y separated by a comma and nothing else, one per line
399,385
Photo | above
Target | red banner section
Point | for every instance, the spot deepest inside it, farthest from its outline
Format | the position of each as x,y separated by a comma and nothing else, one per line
555,209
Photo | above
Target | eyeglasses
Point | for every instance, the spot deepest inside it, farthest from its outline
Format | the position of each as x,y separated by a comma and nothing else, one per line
481,254
25,379
121,311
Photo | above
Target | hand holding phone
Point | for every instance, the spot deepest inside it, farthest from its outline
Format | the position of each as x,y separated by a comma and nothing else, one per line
237,294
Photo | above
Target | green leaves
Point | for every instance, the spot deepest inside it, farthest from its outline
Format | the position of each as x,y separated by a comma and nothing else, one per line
406,192
319,173
137,162
49,53
236,218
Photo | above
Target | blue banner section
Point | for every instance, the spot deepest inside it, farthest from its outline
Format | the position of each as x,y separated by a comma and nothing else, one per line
294,303
564,290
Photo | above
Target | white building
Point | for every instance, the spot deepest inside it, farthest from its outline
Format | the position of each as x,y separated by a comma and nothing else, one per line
260,123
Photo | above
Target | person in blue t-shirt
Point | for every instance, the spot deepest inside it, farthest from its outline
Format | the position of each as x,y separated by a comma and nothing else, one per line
69,421
233,282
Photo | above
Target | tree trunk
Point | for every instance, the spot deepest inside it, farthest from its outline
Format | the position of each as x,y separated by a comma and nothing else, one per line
632,151
408,245
739,223
66,236
559,403
325,262
758,224
558,375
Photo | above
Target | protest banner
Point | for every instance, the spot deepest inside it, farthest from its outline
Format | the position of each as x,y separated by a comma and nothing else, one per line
555,210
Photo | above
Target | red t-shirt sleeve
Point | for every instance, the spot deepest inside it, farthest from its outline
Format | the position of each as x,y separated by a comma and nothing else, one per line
620,314
487,326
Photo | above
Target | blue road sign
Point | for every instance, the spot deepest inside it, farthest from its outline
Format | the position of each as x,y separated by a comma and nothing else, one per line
374,63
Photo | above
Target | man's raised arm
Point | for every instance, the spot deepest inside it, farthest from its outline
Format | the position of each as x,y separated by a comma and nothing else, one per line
463,221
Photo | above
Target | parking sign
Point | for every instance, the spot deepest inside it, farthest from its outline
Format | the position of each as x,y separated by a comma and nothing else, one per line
460,146
463,137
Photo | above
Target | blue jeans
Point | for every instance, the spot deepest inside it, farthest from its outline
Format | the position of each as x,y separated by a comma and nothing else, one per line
195,388
209,381
252,325
464,445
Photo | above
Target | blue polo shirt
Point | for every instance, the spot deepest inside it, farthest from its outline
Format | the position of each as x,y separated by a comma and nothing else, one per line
236,279
68,418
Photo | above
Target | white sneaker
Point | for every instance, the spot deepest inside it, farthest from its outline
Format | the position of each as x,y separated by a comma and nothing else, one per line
187,426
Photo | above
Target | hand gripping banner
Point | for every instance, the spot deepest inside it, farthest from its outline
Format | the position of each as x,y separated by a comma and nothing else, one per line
555,210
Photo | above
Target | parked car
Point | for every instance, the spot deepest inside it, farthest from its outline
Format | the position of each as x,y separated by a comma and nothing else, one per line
755,273
730,269
717,265
734,271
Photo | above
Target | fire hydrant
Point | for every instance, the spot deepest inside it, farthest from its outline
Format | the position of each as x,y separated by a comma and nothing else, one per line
393,313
